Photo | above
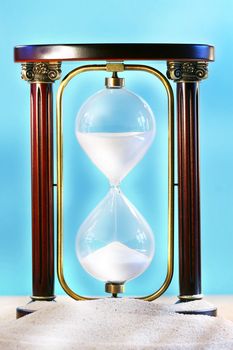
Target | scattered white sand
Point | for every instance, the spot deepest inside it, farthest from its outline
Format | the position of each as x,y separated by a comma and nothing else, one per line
114,324
115,262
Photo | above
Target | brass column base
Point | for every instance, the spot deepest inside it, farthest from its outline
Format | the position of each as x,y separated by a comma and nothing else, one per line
23,311
205,312
114,288
33,306
203,309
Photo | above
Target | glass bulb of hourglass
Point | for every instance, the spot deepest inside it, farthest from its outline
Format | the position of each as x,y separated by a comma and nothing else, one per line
115,243
115,128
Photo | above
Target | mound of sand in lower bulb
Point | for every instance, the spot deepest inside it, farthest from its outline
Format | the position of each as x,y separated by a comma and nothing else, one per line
115,262
114,324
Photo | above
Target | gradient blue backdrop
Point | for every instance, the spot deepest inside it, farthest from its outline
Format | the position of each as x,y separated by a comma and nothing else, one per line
24,22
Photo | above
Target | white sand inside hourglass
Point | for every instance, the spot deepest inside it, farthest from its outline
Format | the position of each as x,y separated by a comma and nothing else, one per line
115,154
115,262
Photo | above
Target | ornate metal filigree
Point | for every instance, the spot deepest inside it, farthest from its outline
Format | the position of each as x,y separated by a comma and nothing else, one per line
44,72
187,71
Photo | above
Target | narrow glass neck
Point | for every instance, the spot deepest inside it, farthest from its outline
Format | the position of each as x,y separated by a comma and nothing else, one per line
114,184
115,187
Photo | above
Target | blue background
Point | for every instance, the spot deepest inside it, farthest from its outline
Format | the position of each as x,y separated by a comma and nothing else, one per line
24,22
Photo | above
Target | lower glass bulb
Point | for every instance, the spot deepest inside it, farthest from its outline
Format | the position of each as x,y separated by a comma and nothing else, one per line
115,244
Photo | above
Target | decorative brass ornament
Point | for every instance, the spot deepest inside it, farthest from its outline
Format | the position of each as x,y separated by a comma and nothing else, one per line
187,71
41,72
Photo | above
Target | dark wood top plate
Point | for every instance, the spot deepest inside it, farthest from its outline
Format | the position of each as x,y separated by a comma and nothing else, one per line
114,52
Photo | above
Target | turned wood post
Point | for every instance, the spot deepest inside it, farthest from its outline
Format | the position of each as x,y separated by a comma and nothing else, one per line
41,77
187,76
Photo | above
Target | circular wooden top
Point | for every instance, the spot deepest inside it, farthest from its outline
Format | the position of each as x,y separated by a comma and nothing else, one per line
114,52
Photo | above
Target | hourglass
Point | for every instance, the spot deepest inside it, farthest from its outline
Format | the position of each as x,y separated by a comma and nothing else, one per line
115,243
115,128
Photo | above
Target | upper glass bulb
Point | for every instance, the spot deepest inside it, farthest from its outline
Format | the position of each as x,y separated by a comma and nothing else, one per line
115,127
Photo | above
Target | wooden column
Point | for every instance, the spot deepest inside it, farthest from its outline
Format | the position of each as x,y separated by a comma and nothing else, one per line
189,190
41,77
187,76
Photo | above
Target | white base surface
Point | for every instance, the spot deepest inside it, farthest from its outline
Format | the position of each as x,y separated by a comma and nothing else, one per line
111,324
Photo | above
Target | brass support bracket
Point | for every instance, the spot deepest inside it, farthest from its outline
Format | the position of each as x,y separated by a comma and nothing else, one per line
114,288
114,81
187,71
115,67
41,72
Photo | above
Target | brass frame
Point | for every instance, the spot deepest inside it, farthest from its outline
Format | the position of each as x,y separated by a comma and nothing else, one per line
111,67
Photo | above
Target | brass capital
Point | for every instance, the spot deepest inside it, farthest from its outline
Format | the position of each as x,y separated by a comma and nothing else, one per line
187,71
41,72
